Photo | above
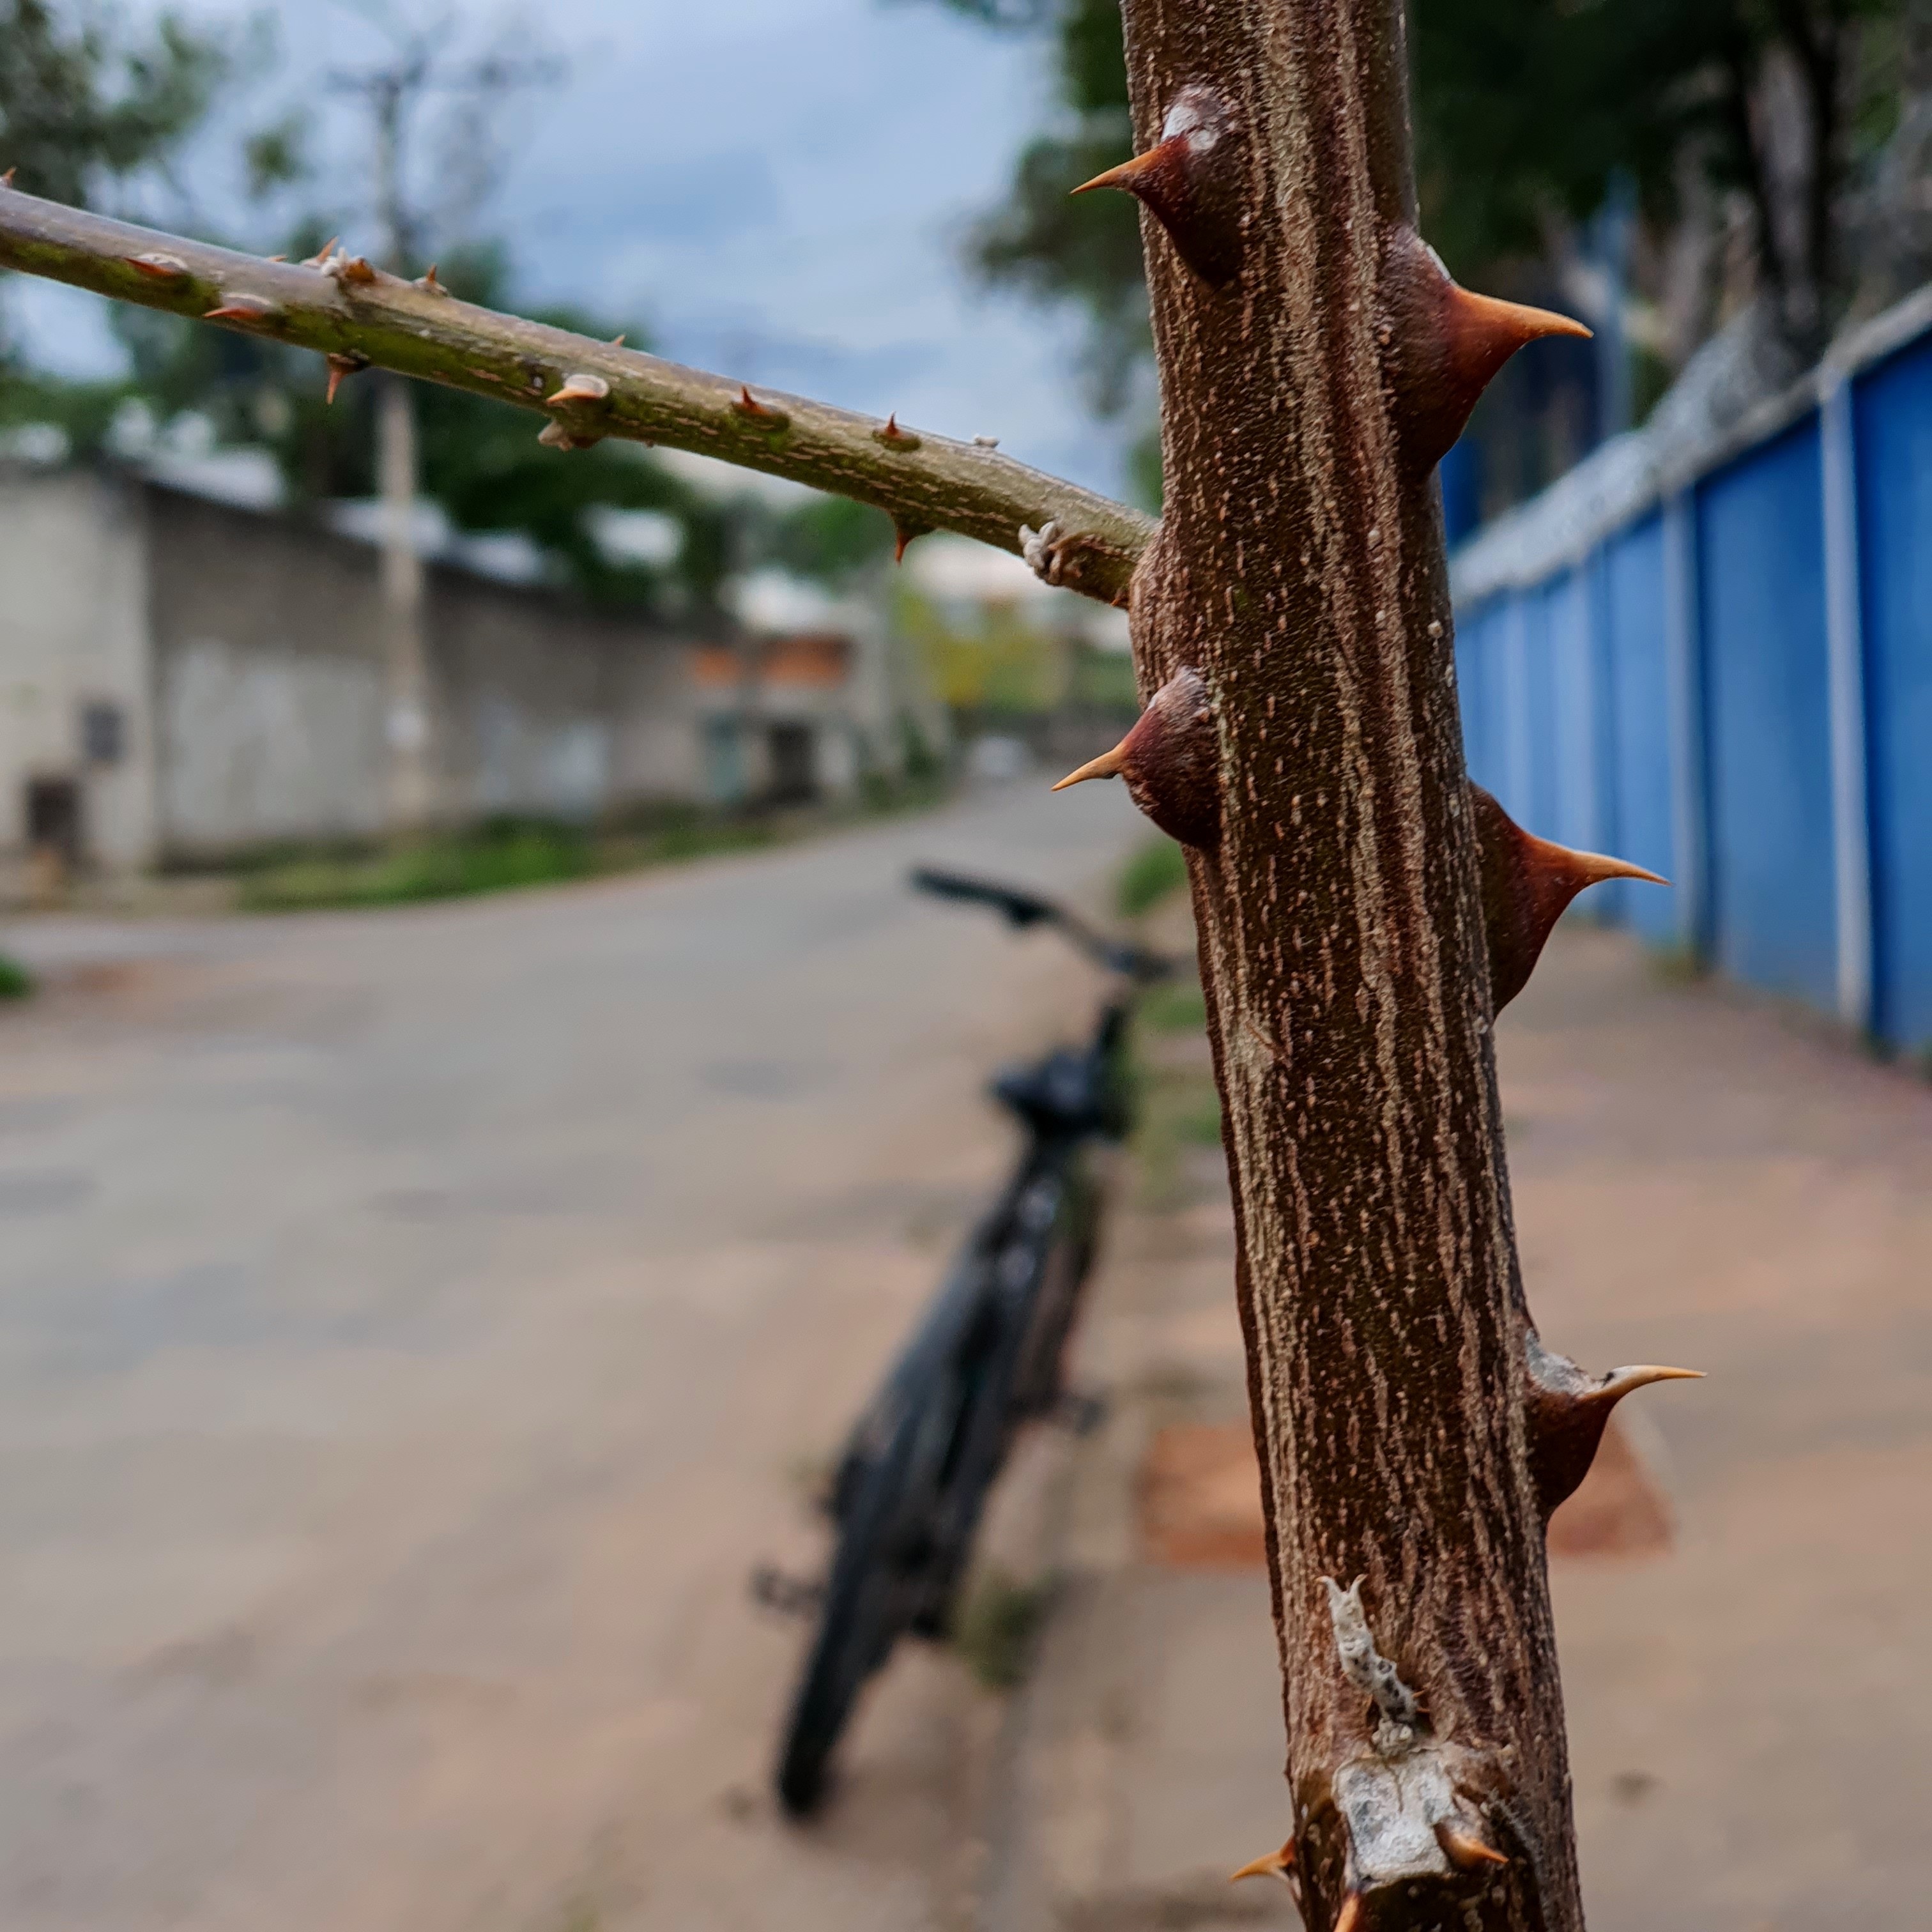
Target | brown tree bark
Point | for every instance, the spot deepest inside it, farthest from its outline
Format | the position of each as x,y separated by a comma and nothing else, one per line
1300,573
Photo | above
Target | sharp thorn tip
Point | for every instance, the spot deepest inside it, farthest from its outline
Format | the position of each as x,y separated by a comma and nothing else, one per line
1275,1865
1106,766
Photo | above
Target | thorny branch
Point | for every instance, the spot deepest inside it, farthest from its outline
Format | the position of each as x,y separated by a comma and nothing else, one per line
359,317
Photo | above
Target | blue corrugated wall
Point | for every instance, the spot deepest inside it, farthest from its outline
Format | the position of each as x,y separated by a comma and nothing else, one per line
1761,586
1893,425
1768,698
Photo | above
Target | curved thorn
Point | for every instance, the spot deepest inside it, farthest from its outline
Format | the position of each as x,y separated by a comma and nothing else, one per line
1620,1382
1106,766
1276,1864
244,310
1132,176
162,267
1346,1919
1464,1850
1494,322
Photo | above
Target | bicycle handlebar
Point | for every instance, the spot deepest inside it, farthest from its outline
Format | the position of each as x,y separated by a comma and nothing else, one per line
1022,909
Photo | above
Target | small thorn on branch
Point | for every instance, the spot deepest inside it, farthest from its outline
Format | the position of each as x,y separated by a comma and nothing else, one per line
748,406
159,268
339,366
904,533
322,257
893,437
354,271
1350,1916
241,308
1191,184
581,388
1170,761
7,179
428,283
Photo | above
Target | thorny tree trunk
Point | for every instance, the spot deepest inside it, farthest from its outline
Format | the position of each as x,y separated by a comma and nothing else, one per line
1363,911
1299,571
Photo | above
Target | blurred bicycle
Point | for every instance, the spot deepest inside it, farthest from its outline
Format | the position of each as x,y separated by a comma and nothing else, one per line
987,1356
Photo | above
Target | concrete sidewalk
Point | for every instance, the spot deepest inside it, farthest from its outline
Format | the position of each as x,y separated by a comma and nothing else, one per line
1698,1180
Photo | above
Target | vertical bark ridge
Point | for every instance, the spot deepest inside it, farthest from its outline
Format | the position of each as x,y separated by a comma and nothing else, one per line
1300,571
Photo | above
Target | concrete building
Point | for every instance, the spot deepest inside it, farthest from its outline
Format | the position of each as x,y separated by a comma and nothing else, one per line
183,677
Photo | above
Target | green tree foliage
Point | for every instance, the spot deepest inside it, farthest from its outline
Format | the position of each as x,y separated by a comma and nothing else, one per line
83,100
1524,109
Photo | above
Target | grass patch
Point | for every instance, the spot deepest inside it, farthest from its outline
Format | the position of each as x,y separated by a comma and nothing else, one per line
1179,1111
1153,871
1178,1007
502,855
995,1629
15,982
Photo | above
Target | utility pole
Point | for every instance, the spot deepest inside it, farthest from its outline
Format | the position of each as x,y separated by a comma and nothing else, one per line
393,90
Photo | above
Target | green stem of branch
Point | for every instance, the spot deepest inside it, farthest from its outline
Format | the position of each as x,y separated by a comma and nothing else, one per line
921,481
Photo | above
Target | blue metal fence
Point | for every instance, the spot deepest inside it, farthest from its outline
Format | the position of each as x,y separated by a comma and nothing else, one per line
1717,661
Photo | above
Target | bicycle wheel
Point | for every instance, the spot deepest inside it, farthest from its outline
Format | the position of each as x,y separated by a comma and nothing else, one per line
884,1537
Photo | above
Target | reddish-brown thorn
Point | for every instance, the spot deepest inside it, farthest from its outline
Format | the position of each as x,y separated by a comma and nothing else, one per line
1106,766
339,366
1134,176
903,534
321,255
748,406
7,179
161,268
275,258
893,437
243,308
353,268
580,388
1276,1864
1190,182
1527,882
1346,1919
1463,1849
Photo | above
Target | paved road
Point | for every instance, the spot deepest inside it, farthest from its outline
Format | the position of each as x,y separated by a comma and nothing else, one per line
413,1327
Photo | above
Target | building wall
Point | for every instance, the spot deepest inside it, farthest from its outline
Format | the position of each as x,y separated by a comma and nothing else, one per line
269,678
74,631
268,683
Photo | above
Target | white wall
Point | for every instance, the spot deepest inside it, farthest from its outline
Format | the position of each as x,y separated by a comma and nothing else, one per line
74,628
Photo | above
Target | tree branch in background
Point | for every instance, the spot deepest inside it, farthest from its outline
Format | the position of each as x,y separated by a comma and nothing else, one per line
357,316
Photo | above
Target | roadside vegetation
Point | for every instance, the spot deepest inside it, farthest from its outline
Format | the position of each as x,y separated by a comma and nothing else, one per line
1180,1111
504,854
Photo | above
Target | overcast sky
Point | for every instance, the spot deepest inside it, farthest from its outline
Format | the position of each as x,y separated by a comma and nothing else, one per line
775,187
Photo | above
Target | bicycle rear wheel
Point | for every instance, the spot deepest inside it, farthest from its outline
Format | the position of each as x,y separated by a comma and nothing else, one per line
884,1535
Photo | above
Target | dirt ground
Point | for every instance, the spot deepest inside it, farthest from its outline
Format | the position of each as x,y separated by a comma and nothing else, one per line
1699,1179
